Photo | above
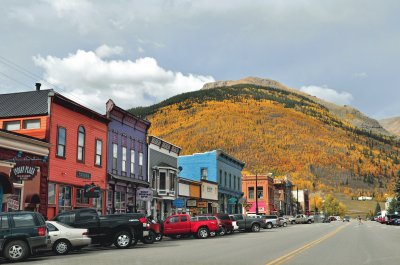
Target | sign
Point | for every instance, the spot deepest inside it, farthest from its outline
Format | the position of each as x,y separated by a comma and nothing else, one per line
13,204
178,203
91,191
232,200
144,194
214,204
202,204
83,175
23,172
191,203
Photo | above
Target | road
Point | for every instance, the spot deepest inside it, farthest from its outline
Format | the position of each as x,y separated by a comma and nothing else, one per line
334,243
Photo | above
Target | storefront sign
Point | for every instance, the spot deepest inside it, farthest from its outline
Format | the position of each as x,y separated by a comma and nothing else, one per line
91,191
23,172
144,194
83,175
191,203
13,204
202,204
178,203
232,200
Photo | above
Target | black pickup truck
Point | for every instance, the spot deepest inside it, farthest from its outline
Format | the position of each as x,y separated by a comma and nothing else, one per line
248,223
122,230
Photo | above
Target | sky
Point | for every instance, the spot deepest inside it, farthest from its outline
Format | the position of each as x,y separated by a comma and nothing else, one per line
141,52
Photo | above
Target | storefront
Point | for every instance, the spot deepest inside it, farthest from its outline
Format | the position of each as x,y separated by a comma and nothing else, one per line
209,197
190,192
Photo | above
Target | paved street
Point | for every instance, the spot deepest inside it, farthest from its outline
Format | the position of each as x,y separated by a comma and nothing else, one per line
334,243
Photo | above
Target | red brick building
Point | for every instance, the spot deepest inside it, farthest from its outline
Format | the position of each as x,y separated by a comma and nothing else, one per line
264,191
78,138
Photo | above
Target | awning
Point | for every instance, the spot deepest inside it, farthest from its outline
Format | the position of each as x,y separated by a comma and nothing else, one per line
165,165
127,179
261,207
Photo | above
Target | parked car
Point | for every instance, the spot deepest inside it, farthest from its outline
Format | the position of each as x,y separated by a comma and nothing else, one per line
290,219
346,219
199,226
326,220
22,234
122,230
281,222
226,223
234,222
270,221
304,219
64,238
390,218
248,223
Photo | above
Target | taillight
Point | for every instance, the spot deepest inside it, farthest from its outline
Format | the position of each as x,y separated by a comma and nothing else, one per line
143,220
41,231
85,233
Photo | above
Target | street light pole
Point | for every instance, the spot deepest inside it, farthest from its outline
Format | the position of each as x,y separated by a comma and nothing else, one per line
256,194
297,200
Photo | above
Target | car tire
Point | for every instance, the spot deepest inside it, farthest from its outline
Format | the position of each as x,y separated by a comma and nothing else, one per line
284,224
202,233
222,231
150,238
293,222
269,226
16,250
122,239
62,247
230,231
309,222
255,228
159,237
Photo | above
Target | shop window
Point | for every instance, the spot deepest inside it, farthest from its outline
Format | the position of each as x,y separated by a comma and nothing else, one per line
64,198
141,164
61,141
120,202
132,162
115,158
163,181
99,151
123,161
31,124
16,196
52,193
251,192
81,144
80,197
12,125
98,204
260,192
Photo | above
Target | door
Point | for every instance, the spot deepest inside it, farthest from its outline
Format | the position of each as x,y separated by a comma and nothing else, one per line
171,225
54,233
184,227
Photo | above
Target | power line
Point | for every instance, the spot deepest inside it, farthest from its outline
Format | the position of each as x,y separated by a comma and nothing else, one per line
15,80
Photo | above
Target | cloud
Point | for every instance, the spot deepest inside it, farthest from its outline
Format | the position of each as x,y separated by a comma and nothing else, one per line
331,95
360,75
91,79
105,51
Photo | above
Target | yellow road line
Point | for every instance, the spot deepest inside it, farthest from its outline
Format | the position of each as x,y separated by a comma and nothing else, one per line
290,255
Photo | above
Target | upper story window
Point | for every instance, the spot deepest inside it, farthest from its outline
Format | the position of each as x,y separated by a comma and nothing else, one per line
12,125
61,141
99,151
260,192
226,179
204,173
230,180
251,192
220,177
140,164
115,157
123,160
81,144
31,124
234,182
132,162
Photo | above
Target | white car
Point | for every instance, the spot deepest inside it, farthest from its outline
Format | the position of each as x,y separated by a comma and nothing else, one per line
65,238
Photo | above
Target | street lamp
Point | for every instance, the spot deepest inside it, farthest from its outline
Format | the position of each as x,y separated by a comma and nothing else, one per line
256,194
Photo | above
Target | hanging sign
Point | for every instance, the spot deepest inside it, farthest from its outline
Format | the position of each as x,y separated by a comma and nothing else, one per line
178,203
191,203
91,191
144,194
13,204
202,204
23,172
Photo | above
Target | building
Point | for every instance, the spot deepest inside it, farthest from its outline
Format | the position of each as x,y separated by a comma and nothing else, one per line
78,139
127,161
283,196
302,200
189,191
163,165
218,167
264,192
23,173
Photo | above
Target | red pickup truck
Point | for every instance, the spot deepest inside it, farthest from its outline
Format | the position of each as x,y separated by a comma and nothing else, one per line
182,224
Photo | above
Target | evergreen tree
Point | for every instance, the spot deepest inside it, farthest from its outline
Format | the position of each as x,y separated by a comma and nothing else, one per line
377,209
393,205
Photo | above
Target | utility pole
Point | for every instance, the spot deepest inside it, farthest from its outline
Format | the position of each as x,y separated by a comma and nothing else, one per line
256,194
297,200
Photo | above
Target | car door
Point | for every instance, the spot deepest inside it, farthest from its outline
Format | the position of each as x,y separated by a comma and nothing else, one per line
5,229
171,225
184,227
54,232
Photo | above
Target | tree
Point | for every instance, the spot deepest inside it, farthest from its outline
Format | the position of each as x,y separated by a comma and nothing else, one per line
393,206
333,207
397,187
377,209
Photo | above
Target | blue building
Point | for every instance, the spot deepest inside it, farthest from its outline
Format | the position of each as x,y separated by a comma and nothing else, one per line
220,167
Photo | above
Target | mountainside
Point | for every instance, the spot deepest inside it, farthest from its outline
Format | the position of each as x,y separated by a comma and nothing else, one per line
392,125
279,130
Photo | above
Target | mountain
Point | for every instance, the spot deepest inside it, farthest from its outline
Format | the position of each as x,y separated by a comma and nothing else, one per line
392,125
281,130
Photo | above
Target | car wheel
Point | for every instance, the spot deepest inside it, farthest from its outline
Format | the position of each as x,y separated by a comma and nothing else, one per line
293,222
309,222
222,231
62,247
16,250
202,233
269,226
284,224
230,231
159,237
123,239
255,228
213,234
150,238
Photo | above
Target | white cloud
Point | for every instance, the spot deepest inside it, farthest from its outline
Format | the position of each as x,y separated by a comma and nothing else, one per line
92,80
331,95
105,51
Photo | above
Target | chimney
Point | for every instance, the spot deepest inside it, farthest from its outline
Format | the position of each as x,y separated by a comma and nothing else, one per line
38,86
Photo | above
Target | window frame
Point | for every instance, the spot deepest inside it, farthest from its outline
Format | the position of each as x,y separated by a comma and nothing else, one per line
58,142
83,146
29,120
132,162
54,196
97,140
140,162
114,160
248,191
123,160
12,121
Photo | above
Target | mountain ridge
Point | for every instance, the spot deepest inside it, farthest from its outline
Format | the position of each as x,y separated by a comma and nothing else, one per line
391,124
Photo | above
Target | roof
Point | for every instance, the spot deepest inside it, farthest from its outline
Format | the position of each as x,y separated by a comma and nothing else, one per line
31,103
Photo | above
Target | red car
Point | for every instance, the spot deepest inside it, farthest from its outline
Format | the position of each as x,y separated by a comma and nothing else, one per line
226,223
181,224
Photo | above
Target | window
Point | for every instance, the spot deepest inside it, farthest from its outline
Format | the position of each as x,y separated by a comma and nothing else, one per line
226,180
3,222
81,144
51,227
80,197
99,151
230,180
115,157
132,162
66,218
140,164
162,180
251,192
172,181
260,192
52,193
12,125
234,182
124,160
61,141
204,173
64,198
23,220
174,219
220,177
120,202
31,124
183,219
153,180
